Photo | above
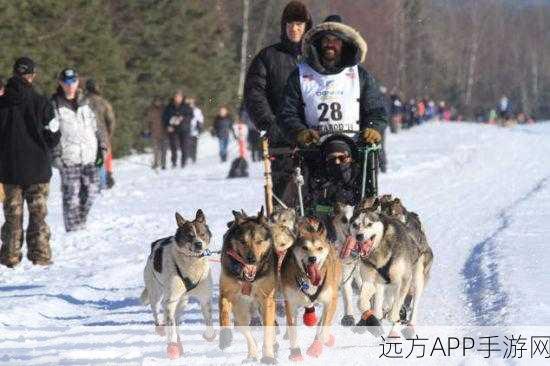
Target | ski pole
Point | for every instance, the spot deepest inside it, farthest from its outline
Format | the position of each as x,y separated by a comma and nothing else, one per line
299,180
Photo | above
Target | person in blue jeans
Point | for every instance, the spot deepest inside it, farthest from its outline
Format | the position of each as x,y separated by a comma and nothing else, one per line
223,125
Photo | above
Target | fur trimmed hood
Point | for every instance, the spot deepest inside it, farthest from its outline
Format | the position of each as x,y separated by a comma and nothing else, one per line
354,48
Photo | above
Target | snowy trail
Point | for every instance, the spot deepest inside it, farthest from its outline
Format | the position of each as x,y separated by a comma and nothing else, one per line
483,194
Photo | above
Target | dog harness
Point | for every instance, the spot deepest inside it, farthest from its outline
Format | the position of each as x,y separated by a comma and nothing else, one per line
331,102
157,262
303,285
238,266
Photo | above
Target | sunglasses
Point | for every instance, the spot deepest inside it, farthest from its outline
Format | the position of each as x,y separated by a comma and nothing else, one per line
339,159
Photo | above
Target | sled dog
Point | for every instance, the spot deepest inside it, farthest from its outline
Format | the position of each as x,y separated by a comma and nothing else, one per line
248,275
310,274
177,269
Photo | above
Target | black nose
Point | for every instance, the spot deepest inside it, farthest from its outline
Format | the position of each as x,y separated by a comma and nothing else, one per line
360,237
312,259
198,245
250,258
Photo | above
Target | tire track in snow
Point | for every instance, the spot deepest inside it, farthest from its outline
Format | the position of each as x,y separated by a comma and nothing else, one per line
483,288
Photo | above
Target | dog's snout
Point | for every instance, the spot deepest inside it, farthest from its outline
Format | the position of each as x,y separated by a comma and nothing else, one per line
250,258
198,245
312,259
360,237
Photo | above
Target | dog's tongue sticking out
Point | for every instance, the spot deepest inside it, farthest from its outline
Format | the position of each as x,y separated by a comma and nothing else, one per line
349,245
314,274
366,247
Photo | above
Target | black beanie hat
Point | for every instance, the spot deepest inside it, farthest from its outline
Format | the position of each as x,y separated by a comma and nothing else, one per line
337,146
24,66
295,11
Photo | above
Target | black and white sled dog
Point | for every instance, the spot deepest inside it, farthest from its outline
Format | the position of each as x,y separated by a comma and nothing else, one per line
177,269
390,256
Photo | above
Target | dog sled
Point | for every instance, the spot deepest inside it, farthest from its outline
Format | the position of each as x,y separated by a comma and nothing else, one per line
315,187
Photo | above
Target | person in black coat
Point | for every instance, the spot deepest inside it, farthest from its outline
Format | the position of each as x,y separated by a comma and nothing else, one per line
177,118
265,83
332,48
222,128
28,133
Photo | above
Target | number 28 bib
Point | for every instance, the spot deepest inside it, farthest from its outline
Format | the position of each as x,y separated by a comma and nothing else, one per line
331,102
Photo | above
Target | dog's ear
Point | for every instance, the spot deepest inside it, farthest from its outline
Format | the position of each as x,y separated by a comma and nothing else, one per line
239,217
321,230
180,220
262,219
376,204
199,217
397,201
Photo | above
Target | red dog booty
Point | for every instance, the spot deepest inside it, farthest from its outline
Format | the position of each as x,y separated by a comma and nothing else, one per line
173,350
315,349
330,341
310,319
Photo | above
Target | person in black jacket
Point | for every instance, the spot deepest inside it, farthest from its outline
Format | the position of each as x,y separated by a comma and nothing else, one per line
265,83
330,92
177,118
222,128
28,132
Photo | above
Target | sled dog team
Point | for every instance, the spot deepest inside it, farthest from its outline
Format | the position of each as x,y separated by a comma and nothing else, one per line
379,246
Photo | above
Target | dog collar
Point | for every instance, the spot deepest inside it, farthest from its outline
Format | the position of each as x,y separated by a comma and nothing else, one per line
304,284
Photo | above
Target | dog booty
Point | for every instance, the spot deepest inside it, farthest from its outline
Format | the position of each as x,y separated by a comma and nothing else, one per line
310,319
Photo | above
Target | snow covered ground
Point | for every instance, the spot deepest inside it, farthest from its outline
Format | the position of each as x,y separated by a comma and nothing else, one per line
482,192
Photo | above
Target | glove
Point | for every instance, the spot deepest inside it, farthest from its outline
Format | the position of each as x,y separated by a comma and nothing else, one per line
307,137
100,157
57,163
371,136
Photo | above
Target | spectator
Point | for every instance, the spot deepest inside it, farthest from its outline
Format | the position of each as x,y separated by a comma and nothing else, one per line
28,132
504,108
106,122
197,126
83,146
265,84
223,125
240,132
177,118
155,128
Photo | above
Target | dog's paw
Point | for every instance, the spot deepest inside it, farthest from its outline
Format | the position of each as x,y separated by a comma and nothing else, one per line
174,350
267,360
315,349
330,341
226,337
393,334
371,323
281,313
209,335
408,332
250,359
347,321
296,355
159,329
255,321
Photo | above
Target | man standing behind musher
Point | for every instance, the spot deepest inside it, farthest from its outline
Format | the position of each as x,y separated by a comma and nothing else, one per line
330,93
265,83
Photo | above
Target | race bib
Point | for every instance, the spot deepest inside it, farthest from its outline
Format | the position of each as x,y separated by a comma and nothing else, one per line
331,101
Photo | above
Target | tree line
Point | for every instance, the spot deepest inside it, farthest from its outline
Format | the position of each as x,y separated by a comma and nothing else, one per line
467,52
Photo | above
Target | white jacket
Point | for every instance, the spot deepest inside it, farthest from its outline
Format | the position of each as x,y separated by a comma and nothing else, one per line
79,132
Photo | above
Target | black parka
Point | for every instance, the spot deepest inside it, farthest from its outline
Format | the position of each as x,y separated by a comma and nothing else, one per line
25,141
372,105
265,83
